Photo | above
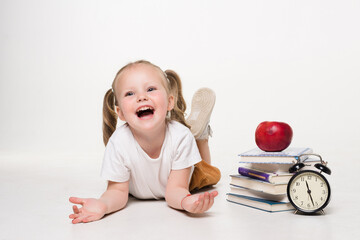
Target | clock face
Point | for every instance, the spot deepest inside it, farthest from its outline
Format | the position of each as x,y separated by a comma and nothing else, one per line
308,191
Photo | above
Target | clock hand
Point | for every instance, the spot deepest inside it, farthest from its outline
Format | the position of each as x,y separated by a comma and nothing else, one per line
311,199
309,192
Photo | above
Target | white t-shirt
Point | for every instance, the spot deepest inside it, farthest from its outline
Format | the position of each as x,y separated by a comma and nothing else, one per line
125,160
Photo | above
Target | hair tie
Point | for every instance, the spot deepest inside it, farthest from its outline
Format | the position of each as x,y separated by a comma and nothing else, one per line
188,195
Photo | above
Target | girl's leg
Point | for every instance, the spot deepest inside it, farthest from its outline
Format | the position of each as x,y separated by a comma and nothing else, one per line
203,146
201,108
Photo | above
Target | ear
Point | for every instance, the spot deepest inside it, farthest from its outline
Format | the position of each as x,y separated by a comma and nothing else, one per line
171,103
120,113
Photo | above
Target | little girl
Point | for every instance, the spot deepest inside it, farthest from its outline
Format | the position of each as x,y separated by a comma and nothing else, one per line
154,154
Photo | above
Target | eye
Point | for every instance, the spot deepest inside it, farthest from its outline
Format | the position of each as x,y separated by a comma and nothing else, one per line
150,89
127,94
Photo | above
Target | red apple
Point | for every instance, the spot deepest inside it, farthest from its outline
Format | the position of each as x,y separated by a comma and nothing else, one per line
273,136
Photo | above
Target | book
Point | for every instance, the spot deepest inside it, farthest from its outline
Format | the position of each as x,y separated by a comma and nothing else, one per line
258,203
287,156
278,167
246,182
266,167
257,194
271,177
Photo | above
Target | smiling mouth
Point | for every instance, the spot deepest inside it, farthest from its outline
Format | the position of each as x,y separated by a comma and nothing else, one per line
145,111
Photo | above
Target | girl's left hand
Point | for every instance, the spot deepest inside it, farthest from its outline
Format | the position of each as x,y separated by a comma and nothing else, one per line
199,203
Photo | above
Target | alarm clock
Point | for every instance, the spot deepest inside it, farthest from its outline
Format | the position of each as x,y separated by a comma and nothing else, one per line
308,191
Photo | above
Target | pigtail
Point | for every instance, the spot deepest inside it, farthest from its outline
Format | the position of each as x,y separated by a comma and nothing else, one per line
178,113
109,116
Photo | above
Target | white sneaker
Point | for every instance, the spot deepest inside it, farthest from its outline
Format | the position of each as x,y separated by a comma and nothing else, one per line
206,133
201,108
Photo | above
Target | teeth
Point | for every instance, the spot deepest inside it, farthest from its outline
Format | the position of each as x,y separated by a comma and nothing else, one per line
144,109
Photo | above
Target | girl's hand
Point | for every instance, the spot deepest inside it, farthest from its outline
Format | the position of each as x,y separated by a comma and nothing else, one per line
199,203
92,209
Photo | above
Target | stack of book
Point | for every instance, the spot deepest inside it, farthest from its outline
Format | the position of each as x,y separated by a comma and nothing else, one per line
262,179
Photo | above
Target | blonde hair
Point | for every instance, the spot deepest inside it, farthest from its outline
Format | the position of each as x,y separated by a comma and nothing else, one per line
172,85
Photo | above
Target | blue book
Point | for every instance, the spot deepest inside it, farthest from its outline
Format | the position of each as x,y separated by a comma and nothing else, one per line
258,185
286,156
259,203
257,194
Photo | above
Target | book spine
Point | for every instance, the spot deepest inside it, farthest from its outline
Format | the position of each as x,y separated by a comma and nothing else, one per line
254,174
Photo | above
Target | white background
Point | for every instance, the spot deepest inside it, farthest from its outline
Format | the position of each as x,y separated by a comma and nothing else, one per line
291,61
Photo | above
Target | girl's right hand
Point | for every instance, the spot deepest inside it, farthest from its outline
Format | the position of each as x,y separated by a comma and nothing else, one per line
92,209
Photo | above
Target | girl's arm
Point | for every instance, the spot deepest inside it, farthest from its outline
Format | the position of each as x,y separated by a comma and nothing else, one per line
177,193
113,199
116,196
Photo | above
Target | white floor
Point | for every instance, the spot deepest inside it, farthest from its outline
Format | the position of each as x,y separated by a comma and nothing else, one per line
34,192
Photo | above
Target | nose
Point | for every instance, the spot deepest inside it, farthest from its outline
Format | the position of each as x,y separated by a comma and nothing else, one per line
142,98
